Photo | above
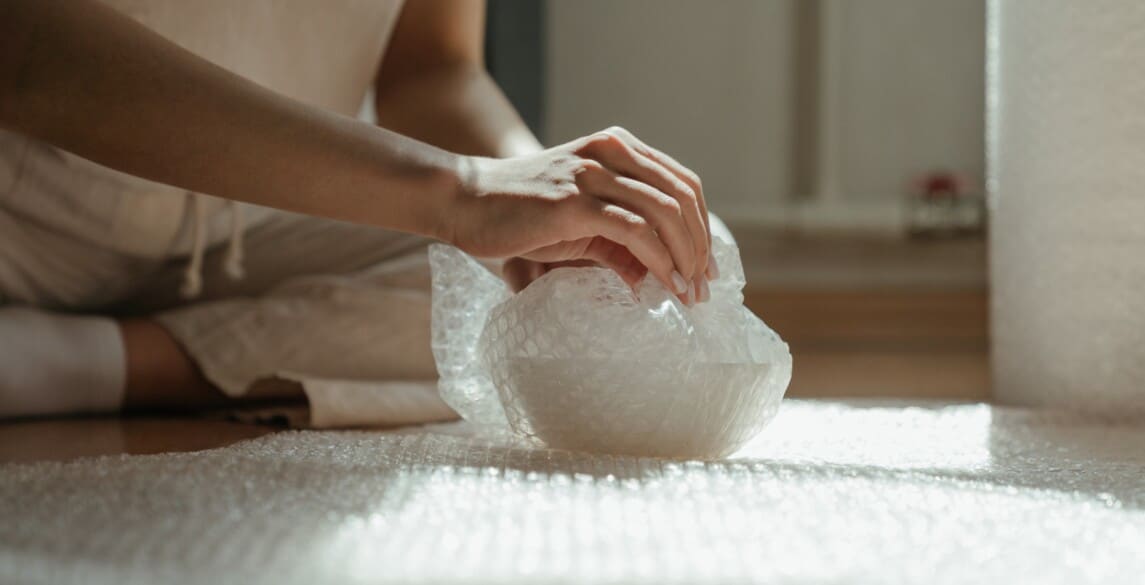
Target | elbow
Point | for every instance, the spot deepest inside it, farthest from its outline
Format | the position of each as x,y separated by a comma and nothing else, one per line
453,72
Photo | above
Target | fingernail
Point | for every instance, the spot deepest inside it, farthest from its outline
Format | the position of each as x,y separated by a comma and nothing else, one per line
691,294
705,291
713,268
679,285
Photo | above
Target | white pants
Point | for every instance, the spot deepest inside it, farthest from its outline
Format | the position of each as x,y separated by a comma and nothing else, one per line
341,308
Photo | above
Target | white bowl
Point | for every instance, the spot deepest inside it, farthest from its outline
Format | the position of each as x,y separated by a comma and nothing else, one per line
647,409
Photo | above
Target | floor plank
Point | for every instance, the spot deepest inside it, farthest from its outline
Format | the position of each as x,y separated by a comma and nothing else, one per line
874,316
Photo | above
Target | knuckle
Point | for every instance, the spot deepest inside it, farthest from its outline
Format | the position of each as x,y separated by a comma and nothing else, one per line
565,159
634,224
670,205
618,131
696,180
588,165
687,192
566,191
605,141
702,250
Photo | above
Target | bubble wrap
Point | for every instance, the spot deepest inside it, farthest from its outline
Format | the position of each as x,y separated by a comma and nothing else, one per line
1065,109
577,361
829,493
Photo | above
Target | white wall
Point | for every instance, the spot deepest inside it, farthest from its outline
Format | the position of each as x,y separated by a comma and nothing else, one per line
710,82
913,91
704,81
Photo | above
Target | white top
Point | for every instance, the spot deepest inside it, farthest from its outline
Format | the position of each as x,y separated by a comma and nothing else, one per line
325,54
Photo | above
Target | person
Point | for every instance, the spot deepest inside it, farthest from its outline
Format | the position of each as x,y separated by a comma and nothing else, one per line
192,215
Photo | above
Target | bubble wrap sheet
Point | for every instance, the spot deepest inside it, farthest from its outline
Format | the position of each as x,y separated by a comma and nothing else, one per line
829,493
577,361
1065,115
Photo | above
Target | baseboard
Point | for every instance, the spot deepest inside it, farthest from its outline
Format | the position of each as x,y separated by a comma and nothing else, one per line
874,218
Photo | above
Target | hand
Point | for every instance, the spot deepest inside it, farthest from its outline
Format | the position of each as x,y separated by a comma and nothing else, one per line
607,198
519,273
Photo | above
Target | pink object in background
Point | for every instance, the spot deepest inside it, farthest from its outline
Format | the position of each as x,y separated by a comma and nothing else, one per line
944,203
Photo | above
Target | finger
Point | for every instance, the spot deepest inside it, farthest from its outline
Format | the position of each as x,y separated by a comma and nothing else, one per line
692,180
691,208
599,251
683,173
621,158
519,273
632,231
659,209
616,257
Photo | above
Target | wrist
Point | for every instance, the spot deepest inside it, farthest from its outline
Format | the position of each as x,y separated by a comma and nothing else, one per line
425,196
454,184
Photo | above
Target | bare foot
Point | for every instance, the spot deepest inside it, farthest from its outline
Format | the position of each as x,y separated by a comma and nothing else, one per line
162,376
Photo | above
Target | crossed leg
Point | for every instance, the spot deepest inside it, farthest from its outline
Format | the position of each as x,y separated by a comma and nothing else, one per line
321,300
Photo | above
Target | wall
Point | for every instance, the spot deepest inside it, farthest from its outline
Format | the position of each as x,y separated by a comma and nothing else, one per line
722,86
702,80
913,92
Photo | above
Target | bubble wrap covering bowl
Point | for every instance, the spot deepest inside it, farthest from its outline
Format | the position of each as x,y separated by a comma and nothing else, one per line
577,361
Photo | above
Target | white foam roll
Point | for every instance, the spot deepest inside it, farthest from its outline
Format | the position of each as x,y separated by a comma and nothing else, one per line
1066,147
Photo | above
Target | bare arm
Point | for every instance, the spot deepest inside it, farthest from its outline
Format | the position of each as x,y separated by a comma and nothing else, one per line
81,76
433,86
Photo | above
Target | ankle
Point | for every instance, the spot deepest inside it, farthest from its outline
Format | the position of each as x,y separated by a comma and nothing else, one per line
160,373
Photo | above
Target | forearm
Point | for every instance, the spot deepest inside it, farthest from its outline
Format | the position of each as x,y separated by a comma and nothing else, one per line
457,108
83,77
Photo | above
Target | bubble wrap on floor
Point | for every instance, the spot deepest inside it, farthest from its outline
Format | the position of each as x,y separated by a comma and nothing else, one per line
828,493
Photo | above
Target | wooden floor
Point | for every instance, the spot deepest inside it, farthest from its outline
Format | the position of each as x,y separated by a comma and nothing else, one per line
863,317
875,316
924,344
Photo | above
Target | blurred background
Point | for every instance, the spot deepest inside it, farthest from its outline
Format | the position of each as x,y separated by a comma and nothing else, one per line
842,142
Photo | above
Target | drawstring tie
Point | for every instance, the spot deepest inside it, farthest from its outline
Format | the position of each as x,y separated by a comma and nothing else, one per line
232,262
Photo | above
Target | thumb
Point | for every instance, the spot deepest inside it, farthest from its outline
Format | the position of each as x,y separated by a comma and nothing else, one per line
519,273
